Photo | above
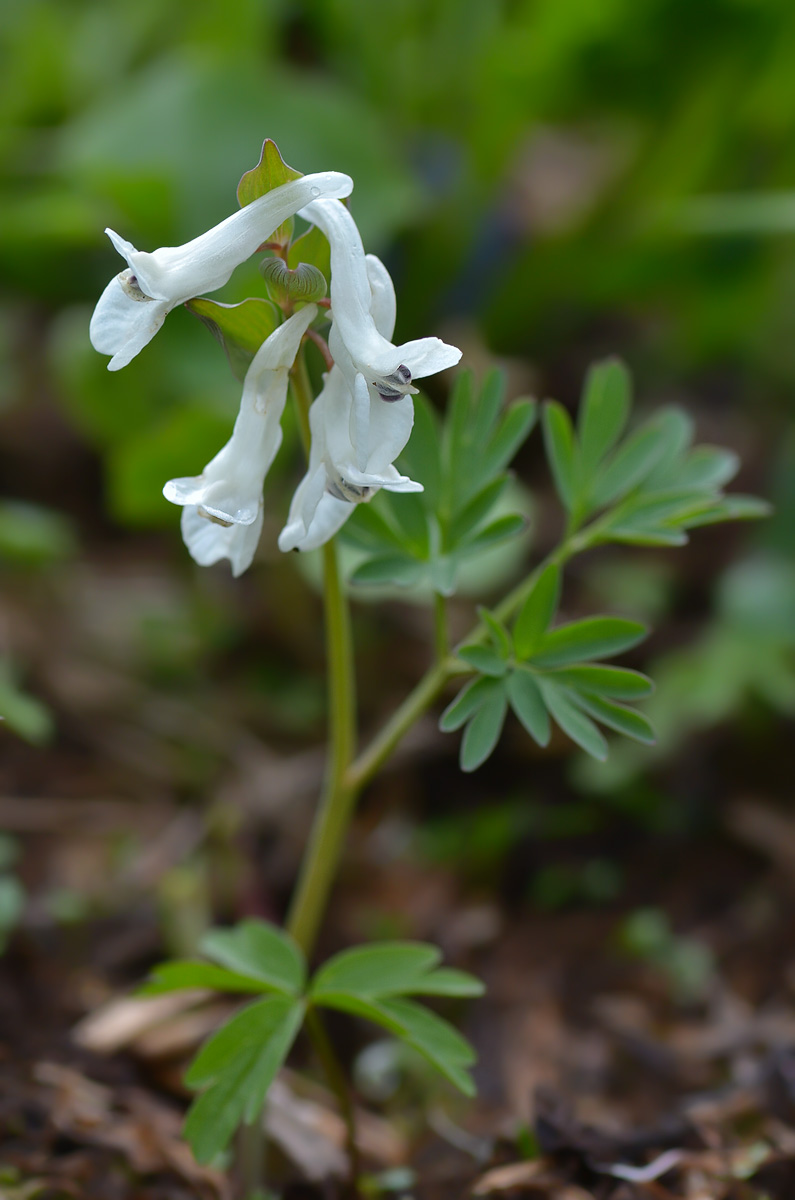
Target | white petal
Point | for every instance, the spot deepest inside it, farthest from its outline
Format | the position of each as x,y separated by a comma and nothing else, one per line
383,302
230,486
315,516
122,325
209,542
428,355
178,273
390,430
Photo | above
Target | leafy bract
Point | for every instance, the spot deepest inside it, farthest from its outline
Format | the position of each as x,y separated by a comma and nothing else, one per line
270,172
236,1066
423,539
240,328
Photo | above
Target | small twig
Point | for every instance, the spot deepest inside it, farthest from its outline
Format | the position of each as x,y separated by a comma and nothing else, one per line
322,345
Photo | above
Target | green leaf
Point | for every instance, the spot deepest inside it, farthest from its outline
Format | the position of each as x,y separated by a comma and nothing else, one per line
416,1025
732,508
270,172
467,702
378,970
312,248
499,633
483,731
258,949
237,1066
368,529
408,514
484,660
629,466
444,982
21,712
397,569
561,450
528,704
490,399
708,468
616,682
616,716
240,328
647,535
574,722
593,637
676,431
180,975
604,411
498,531
513,430
476,510
537,612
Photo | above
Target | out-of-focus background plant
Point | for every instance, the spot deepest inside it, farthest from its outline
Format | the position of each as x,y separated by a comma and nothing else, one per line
549,183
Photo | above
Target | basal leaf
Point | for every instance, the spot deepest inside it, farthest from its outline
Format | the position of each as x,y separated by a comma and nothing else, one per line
181,975
561,450
593,637
573,722
240,328
732,508
434,1038
616,716
382,969
258,949
445,982
483,731
528,704
604,411
237,1066
467,702
483,659
537,612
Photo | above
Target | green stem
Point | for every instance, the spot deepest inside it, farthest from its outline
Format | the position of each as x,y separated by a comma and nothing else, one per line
441,636
338,1083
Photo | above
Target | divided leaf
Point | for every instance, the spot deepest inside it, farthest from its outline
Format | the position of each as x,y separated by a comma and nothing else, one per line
537,612
261,951
185,974
378,970
237,1066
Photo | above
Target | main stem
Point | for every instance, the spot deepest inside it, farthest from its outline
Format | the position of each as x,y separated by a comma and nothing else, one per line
338,797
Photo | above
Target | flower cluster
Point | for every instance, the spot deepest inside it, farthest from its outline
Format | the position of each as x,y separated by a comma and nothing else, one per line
360,421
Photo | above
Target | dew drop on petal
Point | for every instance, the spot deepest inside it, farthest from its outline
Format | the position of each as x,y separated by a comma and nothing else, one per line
315,191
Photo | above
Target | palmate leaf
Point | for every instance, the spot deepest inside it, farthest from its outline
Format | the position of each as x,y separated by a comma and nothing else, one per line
483,730
377,970
261,951
604,411
590,638
437,1041
236,1066
537,612
183,975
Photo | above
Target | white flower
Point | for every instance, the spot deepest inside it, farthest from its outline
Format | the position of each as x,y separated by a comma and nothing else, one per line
334,481
386,368
135,303
222,514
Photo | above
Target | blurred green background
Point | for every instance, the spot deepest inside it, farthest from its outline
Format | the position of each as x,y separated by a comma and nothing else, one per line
549,180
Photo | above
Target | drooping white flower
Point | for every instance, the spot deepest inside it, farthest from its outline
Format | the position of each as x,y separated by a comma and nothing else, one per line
222,507
334,482
385,368
135,303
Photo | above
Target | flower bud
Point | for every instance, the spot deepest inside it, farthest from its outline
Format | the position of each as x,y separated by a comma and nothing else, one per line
306,284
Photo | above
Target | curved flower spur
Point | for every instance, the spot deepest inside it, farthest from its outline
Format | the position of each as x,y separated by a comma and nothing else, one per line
223,507
136,302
